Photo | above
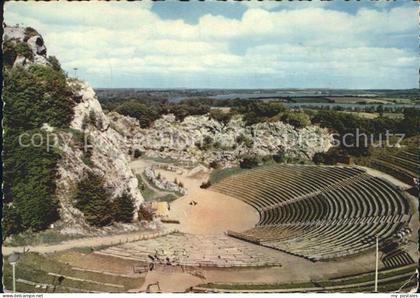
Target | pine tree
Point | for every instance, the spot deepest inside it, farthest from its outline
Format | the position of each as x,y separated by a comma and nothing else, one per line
123,207
94,200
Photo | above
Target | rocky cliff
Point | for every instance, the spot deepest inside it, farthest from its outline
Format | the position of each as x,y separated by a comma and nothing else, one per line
199,139
89,144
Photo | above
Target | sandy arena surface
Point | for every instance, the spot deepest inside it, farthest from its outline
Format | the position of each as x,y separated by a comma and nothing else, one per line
214,212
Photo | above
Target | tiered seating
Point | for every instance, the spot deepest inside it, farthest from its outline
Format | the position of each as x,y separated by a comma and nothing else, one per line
404,165
401,279
282,183
318,212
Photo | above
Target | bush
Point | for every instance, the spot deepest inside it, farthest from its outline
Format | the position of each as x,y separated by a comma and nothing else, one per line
137,153
30,32
145,213
242,139
318,158
35,96
206,184
55,64
143,113
123,207
256,111
214,164
23,49
296,119
279,157
207,143
93,199
220,116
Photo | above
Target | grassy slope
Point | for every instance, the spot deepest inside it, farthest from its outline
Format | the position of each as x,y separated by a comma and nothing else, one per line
36,268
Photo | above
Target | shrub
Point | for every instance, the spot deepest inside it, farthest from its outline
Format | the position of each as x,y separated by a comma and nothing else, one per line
242,139
206,184
123,207
23,49
248,162
137,153
207,143
318,158
145,213
214,164
143,113
255,111
266,158
279,157
220,116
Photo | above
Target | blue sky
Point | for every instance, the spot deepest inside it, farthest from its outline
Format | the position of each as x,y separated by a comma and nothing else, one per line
231,44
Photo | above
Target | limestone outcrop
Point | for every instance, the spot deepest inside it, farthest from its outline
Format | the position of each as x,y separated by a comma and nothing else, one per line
106,157
199,139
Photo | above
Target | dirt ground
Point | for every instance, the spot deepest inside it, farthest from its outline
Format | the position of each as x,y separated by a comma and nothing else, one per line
213,212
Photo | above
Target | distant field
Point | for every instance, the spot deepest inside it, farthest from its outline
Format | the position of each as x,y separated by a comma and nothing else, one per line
375,115
315,99
351,99
222,109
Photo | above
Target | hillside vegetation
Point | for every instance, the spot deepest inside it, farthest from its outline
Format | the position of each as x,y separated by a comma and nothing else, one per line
32,96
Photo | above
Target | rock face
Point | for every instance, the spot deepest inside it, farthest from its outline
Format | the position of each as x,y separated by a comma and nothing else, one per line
107,158
199,139
89,144
32,39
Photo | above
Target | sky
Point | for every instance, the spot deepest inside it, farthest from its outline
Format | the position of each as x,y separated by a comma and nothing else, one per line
230,44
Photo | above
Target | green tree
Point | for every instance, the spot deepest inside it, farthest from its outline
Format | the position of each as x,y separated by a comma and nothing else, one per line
221,116
29,179
298,119
123,207
143,113
11,222
93,199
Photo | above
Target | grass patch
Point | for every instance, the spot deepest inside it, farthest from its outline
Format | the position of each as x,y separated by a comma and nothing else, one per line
169,198
150,194
160,159
218,175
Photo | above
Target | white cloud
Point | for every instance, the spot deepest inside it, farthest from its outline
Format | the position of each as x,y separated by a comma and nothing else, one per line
310,41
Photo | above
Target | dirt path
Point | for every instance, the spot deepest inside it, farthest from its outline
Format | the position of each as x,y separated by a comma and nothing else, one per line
82,242
170,281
